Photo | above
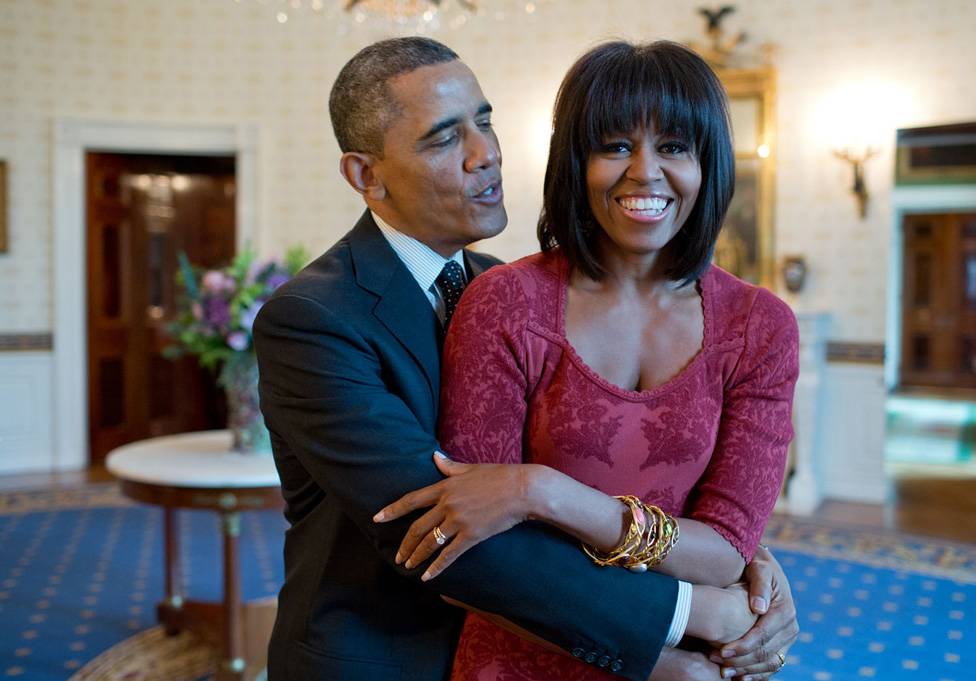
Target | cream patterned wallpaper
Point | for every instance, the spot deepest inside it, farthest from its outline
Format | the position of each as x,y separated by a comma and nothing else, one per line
226,61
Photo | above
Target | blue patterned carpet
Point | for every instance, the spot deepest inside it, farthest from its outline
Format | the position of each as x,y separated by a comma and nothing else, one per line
81,570
877,606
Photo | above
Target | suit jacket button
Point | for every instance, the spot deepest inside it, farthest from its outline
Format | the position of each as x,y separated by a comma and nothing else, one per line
604,661
590,657
578,652
616,665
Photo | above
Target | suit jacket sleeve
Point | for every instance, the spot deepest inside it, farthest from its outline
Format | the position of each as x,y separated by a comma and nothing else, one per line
325,391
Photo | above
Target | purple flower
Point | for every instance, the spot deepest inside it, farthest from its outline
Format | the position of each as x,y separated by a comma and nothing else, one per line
276,280
237,340
215,281
217,311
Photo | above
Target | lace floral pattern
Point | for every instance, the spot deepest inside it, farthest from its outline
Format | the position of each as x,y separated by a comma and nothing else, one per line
708,444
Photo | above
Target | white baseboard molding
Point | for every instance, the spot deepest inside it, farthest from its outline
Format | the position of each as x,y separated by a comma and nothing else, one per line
859,491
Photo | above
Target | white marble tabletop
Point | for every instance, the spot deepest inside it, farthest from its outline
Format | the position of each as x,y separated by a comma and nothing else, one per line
202,459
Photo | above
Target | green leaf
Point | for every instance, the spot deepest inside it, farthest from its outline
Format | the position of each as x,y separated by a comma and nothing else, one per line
189,279
295,259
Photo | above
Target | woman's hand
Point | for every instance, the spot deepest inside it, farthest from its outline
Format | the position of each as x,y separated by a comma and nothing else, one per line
473,502
762,651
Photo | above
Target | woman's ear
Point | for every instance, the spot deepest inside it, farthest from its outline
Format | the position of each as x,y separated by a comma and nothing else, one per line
359,170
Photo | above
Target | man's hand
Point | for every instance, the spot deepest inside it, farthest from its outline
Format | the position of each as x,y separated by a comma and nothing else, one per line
760,653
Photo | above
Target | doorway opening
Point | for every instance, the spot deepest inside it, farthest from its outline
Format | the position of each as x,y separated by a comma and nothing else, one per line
141,211
931,417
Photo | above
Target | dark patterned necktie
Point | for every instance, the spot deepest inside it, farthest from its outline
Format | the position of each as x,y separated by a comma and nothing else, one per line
450,282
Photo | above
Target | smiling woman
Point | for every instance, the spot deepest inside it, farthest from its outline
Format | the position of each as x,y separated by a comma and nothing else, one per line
617,386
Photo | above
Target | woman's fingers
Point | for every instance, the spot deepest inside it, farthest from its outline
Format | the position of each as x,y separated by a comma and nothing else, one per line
419,539
450,553
449,466
421,498
776,630
757,648
755,672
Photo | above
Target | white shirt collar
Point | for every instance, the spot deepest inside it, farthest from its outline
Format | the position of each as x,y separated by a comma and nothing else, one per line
424,263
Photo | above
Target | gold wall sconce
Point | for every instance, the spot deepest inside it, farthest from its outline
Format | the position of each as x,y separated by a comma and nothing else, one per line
858,188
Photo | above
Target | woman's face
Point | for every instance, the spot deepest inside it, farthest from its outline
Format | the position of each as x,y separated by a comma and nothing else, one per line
642,187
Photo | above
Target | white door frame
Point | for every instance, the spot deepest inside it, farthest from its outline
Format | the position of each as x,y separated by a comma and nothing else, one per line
72,139
908,200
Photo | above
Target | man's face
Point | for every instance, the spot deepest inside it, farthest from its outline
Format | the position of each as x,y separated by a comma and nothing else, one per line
441,165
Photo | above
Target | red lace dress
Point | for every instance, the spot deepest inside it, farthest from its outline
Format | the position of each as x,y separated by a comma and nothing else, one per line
709,444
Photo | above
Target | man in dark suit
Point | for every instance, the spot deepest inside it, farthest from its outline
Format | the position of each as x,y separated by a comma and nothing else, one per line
349,359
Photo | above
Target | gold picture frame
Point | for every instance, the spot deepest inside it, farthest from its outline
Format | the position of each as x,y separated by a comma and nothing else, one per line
3,206
745,246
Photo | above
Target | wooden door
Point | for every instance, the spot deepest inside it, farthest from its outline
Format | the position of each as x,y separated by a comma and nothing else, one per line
141,212
939,301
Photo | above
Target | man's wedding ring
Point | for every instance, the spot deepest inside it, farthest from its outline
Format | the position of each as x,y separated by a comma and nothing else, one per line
782,660
441,539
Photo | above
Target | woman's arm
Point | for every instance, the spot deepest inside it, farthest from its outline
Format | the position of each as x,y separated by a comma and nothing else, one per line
702,555
738,489
478,501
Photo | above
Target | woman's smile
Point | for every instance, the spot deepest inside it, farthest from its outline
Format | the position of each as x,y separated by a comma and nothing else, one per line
645,208
642,186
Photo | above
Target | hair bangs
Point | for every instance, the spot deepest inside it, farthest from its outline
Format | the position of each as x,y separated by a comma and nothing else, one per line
638,89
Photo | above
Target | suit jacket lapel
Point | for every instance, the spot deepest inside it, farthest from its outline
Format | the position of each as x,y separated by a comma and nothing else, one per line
402,307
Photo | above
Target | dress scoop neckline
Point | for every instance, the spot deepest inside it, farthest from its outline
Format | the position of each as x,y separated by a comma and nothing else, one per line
702,285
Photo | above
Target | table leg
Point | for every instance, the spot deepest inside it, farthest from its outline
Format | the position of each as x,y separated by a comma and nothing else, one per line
232,665
174,568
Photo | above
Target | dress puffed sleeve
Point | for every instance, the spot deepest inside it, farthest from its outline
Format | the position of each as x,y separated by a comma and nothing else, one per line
739,488
483,382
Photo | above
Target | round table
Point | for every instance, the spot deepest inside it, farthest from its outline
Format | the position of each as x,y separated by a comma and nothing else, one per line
199,471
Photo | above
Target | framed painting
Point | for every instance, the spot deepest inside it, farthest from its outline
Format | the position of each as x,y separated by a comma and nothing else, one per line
745,245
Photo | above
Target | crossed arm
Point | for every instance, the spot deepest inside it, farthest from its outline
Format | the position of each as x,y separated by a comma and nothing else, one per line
478,499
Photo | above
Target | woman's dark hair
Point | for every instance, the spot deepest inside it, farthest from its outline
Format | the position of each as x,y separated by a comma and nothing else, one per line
618,87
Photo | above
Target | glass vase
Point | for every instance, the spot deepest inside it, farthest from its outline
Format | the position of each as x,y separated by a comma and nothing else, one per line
239,379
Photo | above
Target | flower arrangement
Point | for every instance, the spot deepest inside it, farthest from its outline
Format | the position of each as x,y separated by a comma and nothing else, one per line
219,306
216,314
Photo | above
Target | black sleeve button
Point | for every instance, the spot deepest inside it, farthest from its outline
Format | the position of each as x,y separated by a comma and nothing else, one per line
616,665
590,657
578,652
603,662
